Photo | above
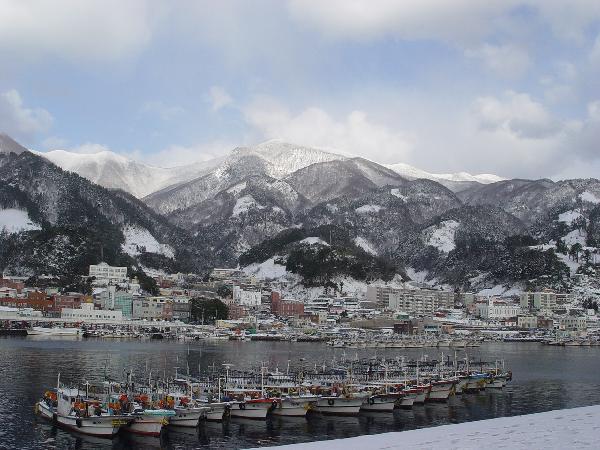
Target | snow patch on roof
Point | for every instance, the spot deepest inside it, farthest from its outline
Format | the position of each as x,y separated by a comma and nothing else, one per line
14,220
441,236
368,209
139,240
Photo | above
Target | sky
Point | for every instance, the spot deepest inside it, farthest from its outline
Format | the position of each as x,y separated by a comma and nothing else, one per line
510,87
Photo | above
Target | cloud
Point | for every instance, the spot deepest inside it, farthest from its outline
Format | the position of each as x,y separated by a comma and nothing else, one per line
179,155
595,53
90,148
162,110
219,98
20,121
91,30
515,113
54,142
508,60
354,134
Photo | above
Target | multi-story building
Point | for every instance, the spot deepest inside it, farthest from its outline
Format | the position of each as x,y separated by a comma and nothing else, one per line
285,308
421,302
87,313
108,274
72,300
181,308
572,323
246,297
497,309
546,299
527,321
153,308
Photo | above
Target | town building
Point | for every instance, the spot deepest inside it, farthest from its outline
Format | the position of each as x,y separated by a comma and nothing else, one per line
87,313
527,322
497,309
546,300
285,308
572,323
245,297
72,300
182,308
152,308
420,302
103,273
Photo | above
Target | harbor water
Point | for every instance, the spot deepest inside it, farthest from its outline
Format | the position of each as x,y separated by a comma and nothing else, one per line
545,378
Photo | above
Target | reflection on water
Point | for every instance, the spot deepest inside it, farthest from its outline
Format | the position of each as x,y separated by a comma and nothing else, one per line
544,378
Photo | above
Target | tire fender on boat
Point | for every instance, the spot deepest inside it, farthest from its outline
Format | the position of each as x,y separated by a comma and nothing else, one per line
78,422
331,402
371,400
242,405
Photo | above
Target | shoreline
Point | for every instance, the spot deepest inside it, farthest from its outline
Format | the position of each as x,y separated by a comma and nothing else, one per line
558,429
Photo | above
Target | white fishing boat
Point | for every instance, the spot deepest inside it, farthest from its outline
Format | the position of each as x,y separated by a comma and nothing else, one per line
339,405
217,412
293,406
55,331
408,398
440,390
76,412
380,403
148,422
252,409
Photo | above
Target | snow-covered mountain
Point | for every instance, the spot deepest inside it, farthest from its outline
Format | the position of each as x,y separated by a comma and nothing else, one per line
412,173
115,171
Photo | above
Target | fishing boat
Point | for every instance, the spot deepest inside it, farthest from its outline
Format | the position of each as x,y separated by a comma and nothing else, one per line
249,403
441,390
55,331
380,403
72,409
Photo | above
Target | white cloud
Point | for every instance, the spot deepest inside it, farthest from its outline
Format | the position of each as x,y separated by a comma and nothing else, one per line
354,134
507,60
516,113
179,155
54,142
162,110
90,148
91,30
219,98
20,121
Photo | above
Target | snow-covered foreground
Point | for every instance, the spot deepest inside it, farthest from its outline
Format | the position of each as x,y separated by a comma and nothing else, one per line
564,428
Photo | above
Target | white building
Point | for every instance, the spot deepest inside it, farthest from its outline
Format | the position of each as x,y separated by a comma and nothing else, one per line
108,274
87,313
572,323
421,302
546,299
246,297
497,309
527,321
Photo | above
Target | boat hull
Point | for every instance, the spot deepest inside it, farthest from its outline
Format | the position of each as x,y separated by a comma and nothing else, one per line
379,404
257,411
102,426
187,417
147,425
336,406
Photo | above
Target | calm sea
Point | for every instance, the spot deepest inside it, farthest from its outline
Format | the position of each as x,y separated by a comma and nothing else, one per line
545,378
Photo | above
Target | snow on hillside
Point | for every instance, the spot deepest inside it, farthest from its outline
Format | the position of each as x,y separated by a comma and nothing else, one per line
237,188
139,240
396,193
587,196
369,209
16,220
365,245
575,237
243,204
441,236
569,216
411,172
268,270
312,240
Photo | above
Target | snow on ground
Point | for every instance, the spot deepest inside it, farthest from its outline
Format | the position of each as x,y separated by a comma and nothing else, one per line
560,429
500,291
569,216
14,220
572,265
138,240
442,236
267,269
575,236
243,204
396,193
365,245
587,196
313,240
368,209
418,276
237,188
332,208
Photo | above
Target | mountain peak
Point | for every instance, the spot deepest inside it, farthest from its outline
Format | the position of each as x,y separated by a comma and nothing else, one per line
9,145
